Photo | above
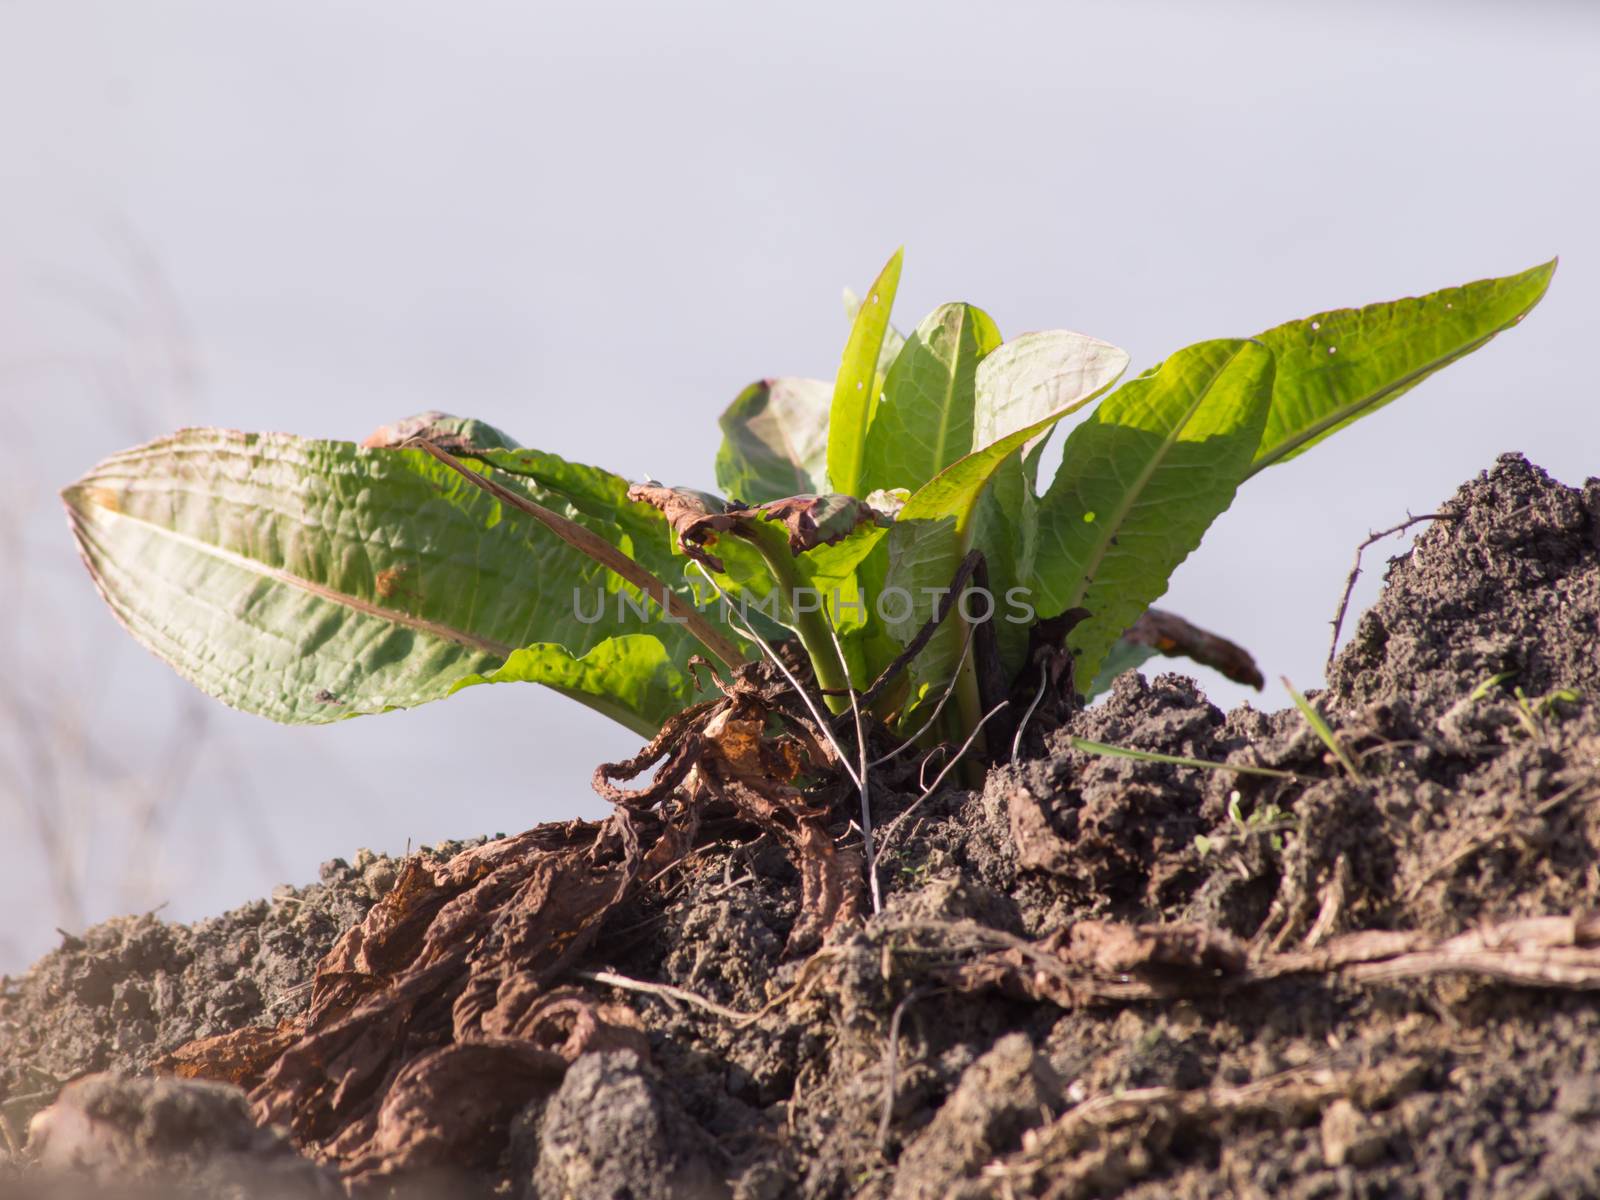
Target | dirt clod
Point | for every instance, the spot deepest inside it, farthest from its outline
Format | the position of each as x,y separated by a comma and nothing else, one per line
614,1132
199,1137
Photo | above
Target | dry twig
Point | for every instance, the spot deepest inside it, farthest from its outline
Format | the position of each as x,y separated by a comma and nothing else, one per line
1355,570
892,1064
940,777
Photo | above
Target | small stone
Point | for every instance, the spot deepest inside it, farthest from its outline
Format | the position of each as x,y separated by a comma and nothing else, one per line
1350,1137
380,877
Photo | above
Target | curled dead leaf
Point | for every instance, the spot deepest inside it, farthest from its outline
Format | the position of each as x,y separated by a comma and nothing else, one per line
1170,635
240,1058
814,521
698,518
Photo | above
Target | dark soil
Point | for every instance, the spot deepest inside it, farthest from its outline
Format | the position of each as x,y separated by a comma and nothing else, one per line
929,1051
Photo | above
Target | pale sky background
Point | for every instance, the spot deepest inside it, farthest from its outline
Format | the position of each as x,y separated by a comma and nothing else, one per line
592,224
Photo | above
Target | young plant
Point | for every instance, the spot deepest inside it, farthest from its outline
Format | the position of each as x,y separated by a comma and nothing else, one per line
310,581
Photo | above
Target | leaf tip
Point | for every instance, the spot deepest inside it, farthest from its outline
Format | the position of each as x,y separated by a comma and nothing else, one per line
82,498
890,274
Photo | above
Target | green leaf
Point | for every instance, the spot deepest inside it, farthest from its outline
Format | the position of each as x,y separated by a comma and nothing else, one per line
309,581
924,421
596,499
824,570
855,391
1006,527
893,339
1039,374
775,440
1323,730
631,679
1053,376
1140,482
1336,367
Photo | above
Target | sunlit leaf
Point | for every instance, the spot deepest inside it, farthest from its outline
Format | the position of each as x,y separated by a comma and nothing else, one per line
631,679
1140,482
309,580
855,393
924,422
775,440
1336,367
1023,393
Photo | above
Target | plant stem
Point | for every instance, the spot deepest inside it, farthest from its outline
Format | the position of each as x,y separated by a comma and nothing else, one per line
812,625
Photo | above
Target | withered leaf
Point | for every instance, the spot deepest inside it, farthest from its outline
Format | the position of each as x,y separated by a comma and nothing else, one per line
1170,635
696,517
440,1015
814,521
458,435
811,521
241,1057
429,963
451,1107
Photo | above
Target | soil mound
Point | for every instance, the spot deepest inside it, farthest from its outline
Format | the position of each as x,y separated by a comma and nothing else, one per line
1369,970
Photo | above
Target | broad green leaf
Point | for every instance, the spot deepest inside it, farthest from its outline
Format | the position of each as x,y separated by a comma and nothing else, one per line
596,499
631,679
1140,482
600,501
1336,367
855,392
775,440
1037,374
937,526
924,421
309,581
1006,528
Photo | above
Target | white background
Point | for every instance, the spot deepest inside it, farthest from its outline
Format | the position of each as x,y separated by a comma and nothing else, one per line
592,224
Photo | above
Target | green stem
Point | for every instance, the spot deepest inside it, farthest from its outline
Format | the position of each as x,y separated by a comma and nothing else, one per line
971,706
811,625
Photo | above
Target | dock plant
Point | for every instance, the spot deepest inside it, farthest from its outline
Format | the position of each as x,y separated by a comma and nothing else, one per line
310,581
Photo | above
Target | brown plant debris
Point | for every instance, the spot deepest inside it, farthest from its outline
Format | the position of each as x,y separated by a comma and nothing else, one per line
1170,635
437,1018
699,517
723,753
1109,962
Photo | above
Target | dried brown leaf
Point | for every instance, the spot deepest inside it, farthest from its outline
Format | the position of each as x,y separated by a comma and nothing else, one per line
696,517
1169,634
814,521
241,1057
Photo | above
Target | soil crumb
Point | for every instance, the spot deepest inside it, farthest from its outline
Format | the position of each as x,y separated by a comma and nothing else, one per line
1371,973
